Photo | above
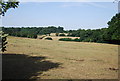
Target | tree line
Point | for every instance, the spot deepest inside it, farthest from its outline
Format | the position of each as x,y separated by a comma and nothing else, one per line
111,34
103,35
32,32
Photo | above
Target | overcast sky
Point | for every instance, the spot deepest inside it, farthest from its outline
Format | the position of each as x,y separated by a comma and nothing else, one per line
70,15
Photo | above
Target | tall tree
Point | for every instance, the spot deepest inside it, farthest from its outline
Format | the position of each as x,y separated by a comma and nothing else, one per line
113,32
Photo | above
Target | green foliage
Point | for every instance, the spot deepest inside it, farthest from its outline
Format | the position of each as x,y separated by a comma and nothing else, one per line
62,34
104,35
69,39
31,32
89,35
65,39
60,30
73,33
48,38
3,41
76,39
113,32
5,5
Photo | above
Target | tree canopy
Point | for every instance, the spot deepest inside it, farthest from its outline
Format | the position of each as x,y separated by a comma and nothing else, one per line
5,5
32,32
106,35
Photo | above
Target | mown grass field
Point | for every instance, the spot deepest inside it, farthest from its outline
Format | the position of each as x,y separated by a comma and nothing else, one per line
46,59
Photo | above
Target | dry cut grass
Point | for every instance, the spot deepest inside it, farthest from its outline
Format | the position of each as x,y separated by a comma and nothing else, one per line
61,60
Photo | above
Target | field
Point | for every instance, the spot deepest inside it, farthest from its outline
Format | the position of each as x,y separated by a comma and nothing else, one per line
56,38
47,59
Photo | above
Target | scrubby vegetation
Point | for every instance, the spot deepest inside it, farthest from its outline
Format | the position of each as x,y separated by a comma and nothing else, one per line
62,34
48,38
65,39
69,39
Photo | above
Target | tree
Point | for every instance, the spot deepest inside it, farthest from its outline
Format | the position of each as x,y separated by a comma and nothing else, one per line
60,30
4,6
3,38
114,28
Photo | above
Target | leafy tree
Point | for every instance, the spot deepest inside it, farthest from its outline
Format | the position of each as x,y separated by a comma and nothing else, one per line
3,38
113,32
4,6
60,30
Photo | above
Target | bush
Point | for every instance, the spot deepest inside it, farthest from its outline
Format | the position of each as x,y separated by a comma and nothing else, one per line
69,39
62,35
77,40
34,36
65,39
48,38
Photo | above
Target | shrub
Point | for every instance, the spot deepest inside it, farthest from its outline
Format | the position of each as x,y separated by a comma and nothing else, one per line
69,39
48,38
34,36
62,35
65,39
77,40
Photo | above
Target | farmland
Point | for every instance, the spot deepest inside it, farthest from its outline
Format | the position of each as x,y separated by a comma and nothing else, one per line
52,59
